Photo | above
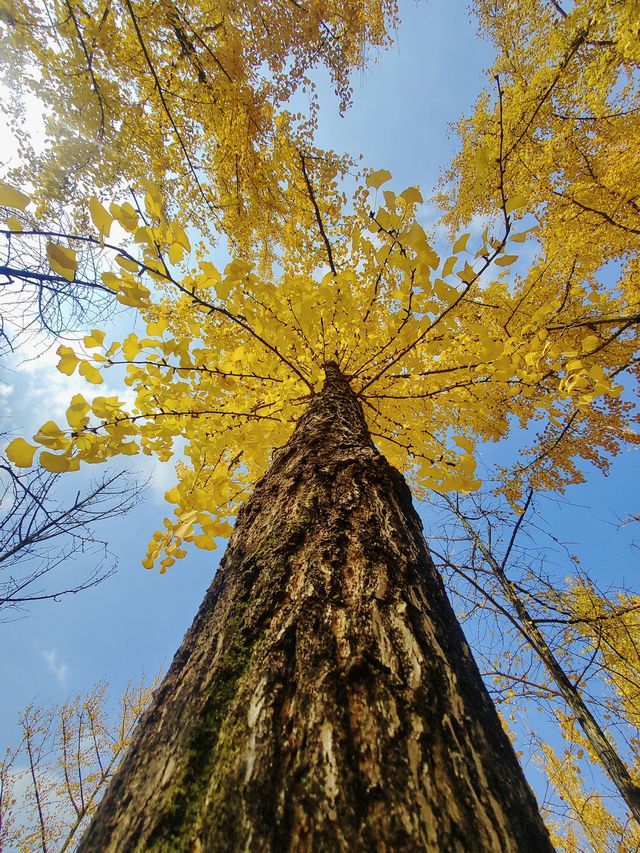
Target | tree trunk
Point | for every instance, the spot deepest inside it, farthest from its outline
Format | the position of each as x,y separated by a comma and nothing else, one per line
324,698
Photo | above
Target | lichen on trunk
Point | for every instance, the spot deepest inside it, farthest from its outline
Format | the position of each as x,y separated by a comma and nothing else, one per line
324,698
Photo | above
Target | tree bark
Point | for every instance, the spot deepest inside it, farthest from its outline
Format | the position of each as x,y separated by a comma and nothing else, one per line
324,698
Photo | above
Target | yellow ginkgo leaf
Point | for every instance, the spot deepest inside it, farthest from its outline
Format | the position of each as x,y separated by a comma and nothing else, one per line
126,216
77,411
206,543
131,346
176,253
152,189
62,260
469,486
156,270
505,260
220,528
464,443
95,339
11,197
515,203
112,281
444,291
157,328
90,373
467,463
223,288
51,436
185,529
144,234
377,179
181,236
449,265
20,452
68,360
127,264
521,236
53,462
461,243
468,274
482,158
14,224
412,195
590,343
129,448
101,217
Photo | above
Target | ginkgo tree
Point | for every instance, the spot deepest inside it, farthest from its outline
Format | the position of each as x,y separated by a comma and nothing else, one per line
326,631
324,697
63,761
607,625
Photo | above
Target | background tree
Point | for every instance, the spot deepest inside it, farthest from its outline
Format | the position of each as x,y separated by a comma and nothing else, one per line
52,781
41,532
36,302
563,133
550,644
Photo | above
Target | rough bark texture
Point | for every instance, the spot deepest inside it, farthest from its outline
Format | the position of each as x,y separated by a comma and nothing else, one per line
324,698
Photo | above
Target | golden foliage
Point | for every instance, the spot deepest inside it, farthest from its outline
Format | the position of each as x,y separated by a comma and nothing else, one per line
557,647
559,126
611,626
442,352
607,632
186,96
590,816
568,127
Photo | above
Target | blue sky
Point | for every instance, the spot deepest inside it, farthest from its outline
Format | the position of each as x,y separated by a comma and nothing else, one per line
134,622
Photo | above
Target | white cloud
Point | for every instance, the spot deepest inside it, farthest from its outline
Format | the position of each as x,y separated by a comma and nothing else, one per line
33,121
59,669
5,409
43,393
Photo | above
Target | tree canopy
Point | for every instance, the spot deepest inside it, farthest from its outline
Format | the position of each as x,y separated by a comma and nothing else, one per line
441,348
568,131
188,97
441,351
563,133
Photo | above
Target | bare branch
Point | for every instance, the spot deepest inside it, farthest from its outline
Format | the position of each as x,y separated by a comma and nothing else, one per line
41,531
